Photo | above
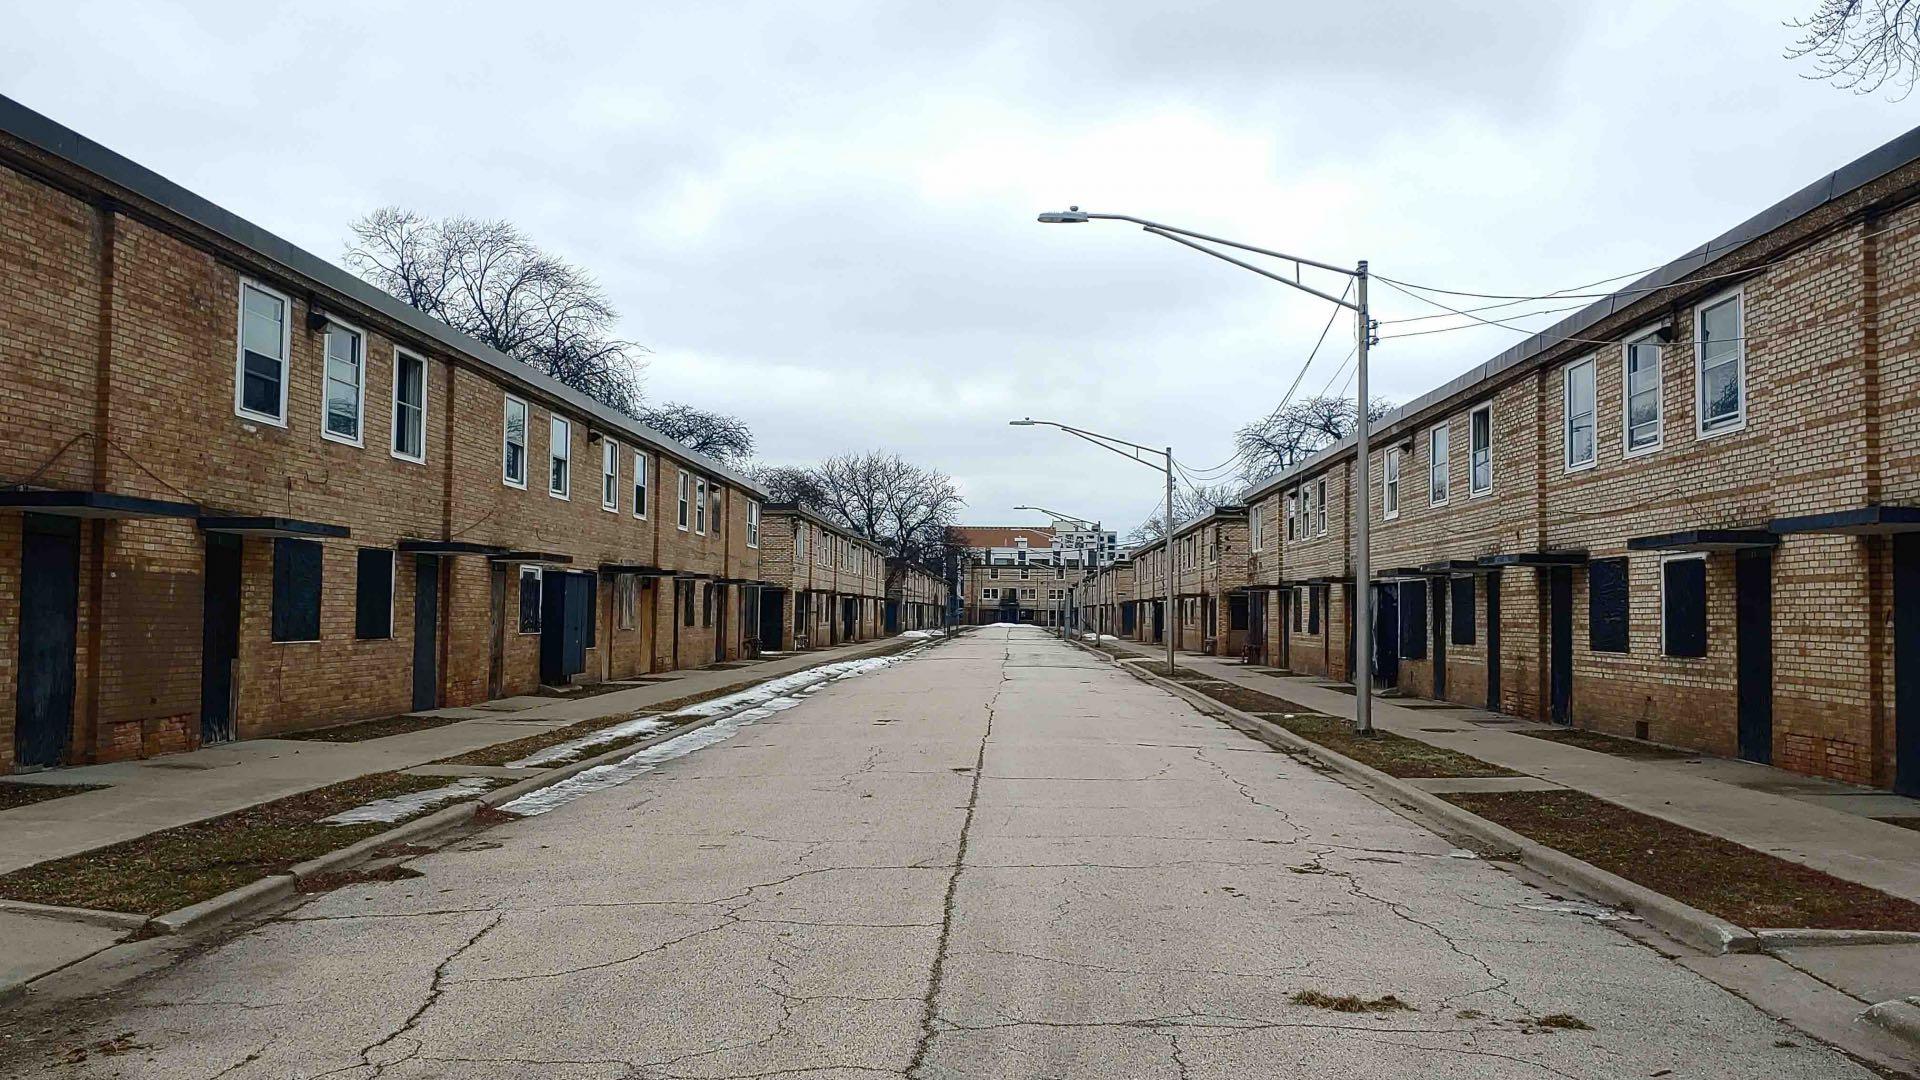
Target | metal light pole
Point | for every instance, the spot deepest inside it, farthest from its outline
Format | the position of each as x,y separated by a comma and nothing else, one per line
1133,452
1364,327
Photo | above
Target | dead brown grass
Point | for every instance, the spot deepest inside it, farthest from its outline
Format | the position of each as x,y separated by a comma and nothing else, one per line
1350,1003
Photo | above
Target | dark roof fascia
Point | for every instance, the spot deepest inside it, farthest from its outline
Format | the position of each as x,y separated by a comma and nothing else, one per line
273,526
448,547
70,146
1705,540
1860,520
1535,558
94,504
1225,510
796,510
1897,153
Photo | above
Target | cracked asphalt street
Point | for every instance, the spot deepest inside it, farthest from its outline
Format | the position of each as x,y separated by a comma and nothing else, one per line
1003,858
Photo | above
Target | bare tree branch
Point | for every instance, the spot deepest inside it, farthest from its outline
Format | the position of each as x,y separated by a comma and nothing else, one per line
1861,45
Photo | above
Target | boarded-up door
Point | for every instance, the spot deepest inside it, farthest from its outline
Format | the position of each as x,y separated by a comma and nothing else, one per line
49,625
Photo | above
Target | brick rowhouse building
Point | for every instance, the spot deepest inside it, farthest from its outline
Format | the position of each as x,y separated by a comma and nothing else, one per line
916,597
1210,582
826,585
1689,513
1105,599
247,493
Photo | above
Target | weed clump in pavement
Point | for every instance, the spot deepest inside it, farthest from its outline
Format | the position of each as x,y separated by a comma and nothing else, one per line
1351,1003
1563,1021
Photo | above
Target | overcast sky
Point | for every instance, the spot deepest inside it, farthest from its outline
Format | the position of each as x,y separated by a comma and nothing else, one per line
820,216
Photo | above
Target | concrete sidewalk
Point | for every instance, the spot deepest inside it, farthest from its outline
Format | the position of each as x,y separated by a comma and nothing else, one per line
147,796
1819,823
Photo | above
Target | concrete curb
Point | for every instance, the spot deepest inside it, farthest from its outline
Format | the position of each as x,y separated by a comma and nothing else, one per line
114,920
1899,1018
276,887
1771,940
1689,924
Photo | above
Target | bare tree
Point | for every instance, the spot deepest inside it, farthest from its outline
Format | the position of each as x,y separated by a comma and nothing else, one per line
486,279
1296,431
1861,45
1189,502
724,438
908,508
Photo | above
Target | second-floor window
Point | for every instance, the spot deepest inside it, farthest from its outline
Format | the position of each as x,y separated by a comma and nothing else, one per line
409,406
513,444
639,484
1480,451
1255,541
1438,465
753,523
1320,514
700,506
260,378
685,498
609,475
1640,373
1579,414
1291,534
1390,486
560,458
346,383
1722,360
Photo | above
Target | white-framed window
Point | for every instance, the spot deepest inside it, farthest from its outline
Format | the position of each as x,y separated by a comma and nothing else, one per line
1439,465
1480,451
532,580
640,467
700,505
1306,513
1640,405
990,594
1720,352
560,458
1577,406
753,523
409,406
260,361
513,444
1256,541
684,491
343,398
609,475
1292,525
1320,507
993,573
1390,485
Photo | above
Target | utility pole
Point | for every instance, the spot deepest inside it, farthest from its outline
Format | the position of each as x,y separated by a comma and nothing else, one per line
1362,562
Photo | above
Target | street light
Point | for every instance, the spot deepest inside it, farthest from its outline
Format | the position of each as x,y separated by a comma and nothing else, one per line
1364,327
1089,555
1132,453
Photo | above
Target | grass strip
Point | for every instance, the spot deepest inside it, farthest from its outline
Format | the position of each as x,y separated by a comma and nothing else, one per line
1743,886
1610,744
363,730
14,795
162,871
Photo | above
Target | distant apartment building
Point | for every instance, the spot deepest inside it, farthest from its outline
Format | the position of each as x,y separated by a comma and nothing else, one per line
1688,513
1024,574
825,584
246,493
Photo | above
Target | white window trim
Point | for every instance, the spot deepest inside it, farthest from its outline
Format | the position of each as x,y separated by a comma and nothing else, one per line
540,573
1739,421
1664,560
556,420
526,424
1592,363
398,352
1627,449
642,464
683,500
609,475
700,506
360,392
1445,464
1472,491
1390,484
240,352
753,523
1320,507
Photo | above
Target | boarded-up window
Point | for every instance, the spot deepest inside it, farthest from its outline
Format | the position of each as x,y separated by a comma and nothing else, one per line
373,594
1462,611
1607,605
1413,620
1683,607
531,583
1313,610
684,590
1299,605
296,590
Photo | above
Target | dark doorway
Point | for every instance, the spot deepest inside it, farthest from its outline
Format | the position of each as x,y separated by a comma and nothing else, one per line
1906,663
49,629
1159,620
1753,622
497,632
847,618
426,632
719,623
1126,620
1386,634
773,605
1560,643
1256,626
219,637
564,602
1326,613
1493,641
1437,596
893,616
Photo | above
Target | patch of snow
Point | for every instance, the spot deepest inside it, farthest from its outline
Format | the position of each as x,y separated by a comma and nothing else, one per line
402,806
639,725
1098,637
916,634
1461,853
1596,912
